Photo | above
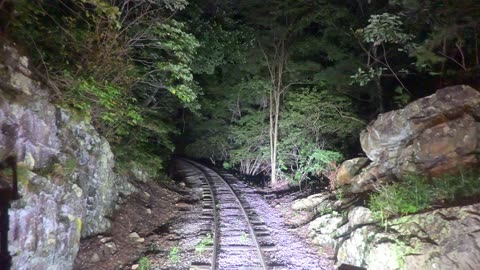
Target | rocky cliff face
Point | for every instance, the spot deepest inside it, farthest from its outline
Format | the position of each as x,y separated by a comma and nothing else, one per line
433,135
68,185
446,238
430,136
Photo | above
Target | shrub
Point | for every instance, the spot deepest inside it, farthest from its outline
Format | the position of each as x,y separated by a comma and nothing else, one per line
111,108
416,193
411,195
144,264
452,187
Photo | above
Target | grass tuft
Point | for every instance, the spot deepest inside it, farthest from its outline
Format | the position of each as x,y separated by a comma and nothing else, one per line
416,193
203,244
144,264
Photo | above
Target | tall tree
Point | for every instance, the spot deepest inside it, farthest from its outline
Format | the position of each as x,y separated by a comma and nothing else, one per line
280,25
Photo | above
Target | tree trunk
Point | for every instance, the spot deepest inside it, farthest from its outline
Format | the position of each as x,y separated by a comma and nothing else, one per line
276,65
273,159
379,95
274,140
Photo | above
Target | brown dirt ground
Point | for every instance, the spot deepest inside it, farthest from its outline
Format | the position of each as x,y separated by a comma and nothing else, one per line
132,216
166,204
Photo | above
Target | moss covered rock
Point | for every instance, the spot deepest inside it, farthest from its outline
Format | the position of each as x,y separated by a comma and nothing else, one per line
67,181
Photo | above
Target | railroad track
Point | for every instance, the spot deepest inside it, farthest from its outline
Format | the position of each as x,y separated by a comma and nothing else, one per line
240,237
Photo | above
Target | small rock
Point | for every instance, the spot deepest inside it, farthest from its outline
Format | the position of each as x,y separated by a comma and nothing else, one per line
106,240
349,169
77,190
359,216
182,184
310,202
112,246
95,258
140,240
147,194
134,235
149,211
269,196
29,161
135,266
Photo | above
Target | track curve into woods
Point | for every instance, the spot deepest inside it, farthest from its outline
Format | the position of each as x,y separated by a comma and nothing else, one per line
242,237
235,226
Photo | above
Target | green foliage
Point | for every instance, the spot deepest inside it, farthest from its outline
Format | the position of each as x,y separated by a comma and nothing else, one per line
416,193
317,115
221,44
177,74
77,36
203,244
249,140
448,29
106,102
327,210
409,196
126,69
103,8
315,162
174,5
173,255
144,264
227,165
401,98
235,123
452,187
385,28
426,59
363,77
244,238
314,121
381,40
212,142
146,73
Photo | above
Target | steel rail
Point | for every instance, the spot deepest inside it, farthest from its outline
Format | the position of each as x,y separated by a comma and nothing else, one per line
216,224
244,212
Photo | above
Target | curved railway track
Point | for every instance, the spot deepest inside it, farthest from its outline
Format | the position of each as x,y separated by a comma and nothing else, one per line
240,237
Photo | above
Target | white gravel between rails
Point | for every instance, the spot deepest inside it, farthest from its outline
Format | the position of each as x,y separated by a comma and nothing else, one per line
291,250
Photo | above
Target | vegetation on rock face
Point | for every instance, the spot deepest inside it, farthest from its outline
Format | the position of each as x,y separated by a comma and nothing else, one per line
278,88
416,193
125,65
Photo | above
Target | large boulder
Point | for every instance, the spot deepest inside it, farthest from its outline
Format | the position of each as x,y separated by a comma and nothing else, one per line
67,182
393,131
432,135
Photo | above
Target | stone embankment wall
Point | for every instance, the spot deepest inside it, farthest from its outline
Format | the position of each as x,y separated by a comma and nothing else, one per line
68,184
447,238
431,136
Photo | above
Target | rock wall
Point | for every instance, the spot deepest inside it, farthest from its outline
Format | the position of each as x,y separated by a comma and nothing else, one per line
432,135
442,239
68,185
445,239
